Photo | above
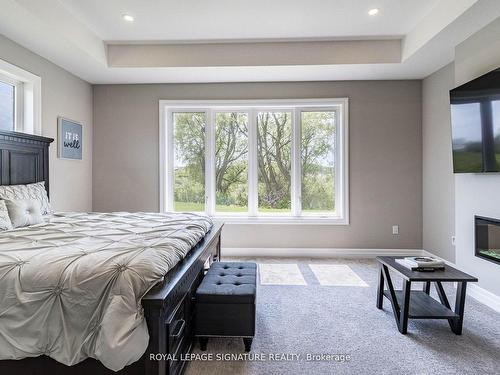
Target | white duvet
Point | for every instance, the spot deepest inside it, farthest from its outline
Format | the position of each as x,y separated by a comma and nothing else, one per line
71,288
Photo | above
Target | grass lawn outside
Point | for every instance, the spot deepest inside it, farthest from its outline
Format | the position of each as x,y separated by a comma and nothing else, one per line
189,207
200,207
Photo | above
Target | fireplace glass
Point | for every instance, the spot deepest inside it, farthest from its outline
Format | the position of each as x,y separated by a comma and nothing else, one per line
487,238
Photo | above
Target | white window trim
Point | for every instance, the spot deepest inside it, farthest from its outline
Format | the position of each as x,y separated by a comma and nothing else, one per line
342,157
28,116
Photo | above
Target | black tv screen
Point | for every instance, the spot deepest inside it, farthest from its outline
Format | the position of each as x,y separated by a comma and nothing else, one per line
475,122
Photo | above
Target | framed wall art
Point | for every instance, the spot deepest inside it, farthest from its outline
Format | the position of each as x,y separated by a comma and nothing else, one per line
69,139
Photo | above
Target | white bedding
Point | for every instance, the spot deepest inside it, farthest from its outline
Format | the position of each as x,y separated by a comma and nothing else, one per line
71,288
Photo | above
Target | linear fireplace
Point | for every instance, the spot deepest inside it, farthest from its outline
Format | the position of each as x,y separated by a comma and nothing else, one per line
487,238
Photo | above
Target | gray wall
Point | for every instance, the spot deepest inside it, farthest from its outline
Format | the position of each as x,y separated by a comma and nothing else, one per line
385,158
438,181
66,95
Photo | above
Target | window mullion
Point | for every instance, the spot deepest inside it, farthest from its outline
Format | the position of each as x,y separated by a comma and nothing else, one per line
170,161
210,162
252,163
295,175
19,109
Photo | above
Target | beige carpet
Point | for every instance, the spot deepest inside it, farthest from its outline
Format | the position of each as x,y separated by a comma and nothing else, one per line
342,321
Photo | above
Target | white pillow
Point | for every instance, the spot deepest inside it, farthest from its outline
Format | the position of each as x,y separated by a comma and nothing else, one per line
34,191
5,223
24,212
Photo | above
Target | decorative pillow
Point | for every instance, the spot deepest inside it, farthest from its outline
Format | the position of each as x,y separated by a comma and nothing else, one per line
24,212
5,222
34,191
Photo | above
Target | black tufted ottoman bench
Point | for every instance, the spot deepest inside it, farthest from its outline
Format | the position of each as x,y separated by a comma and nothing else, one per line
225,303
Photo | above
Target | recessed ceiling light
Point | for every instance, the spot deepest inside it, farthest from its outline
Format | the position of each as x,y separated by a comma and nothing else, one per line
373,11
128,18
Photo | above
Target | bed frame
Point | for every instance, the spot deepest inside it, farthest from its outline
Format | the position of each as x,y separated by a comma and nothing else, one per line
168,307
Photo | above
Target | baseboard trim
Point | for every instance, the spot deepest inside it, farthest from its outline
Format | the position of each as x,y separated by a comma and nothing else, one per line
485,297
475,291
296,252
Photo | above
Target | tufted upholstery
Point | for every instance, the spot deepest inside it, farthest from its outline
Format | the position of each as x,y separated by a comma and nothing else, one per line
228,282
225,302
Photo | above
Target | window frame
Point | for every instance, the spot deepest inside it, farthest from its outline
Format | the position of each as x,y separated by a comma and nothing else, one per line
252,107
27,100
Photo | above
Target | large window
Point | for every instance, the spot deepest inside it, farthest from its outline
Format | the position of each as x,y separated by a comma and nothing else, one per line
277,161
317,147
274,157
20,93
189,161
8,104
231,162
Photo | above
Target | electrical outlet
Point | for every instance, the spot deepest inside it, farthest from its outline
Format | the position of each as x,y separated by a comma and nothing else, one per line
395,229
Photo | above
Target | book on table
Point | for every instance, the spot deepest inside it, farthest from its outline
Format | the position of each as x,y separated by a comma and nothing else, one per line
422,263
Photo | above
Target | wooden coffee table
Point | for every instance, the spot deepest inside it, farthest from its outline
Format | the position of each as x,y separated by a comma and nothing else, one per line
416,304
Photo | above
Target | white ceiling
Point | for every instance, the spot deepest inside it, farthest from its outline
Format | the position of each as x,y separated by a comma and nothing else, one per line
78,35
172,20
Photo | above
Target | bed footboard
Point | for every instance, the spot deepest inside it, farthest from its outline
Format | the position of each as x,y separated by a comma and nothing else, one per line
169,309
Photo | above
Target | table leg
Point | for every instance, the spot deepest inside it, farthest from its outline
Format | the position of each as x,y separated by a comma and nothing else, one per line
392,294
405,308
444,301
380,290
203,343
442,294
427,287
459,308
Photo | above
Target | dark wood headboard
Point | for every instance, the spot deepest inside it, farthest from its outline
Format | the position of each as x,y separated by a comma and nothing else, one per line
24,158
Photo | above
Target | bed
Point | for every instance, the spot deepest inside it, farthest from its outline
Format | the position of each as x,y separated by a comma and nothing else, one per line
167,305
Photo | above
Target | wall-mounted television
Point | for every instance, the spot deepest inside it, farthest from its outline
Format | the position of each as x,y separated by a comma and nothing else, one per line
475,123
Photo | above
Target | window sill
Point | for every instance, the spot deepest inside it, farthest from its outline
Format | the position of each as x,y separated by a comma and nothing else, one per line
303,220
